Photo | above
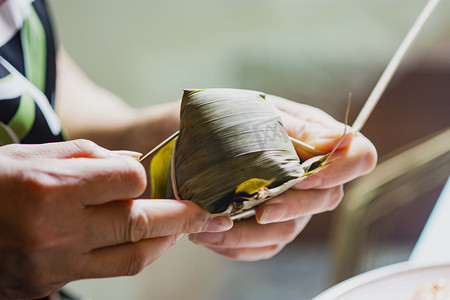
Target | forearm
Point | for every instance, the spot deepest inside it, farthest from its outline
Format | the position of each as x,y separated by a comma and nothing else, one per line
145,129
88,111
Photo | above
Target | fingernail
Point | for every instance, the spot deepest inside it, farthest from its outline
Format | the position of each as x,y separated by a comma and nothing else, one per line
219,223
309,182
207,237
132,154
273,213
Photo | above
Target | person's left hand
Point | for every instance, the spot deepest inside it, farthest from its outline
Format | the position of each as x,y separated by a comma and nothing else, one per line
278,221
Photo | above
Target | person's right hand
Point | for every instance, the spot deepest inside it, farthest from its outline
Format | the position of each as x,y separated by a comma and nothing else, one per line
66,214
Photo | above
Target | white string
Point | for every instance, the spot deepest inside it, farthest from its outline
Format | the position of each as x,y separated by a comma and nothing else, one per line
173,177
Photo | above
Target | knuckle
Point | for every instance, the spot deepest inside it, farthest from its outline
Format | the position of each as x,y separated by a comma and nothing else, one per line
37,186
41,186
14,151
289,232
139,225
299,129
136,264
196,220
84,147
196,223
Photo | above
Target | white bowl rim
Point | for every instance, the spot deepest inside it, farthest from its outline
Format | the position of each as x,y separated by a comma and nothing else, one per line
374,275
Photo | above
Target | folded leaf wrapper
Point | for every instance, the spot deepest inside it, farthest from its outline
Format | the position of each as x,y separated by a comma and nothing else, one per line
232,153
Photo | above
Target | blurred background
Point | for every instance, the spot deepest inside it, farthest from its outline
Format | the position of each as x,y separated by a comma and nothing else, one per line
314,52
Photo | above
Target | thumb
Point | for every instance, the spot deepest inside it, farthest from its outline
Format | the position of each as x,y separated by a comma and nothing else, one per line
135,220
156,218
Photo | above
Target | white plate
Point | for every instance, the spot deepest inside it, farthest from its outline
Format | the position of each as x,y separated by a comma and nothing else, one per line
399,281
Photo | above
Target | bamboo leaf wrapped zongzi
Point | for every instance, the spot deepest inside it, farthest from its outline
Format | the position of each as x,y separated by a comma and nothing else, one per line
232,152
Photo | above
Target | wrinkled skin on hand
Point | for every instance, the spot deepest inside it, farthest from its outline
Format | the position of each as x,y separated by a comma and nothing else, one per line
67,212
279,220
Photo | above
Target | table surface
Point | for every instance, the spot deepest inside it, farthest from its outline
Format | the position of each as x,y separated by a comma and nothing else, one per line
433,245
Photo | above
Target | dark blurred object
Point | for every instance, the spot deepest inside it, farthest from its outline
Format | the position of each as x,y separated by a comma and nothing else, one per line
367,222
415,105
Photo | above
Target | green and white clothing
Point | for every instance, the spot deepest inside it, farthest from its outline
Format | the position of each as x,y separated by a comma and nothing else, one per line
27,74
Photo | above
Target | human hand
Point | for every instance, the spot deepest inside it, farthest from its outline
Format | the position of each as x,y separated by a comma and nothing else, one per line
279,220
66,214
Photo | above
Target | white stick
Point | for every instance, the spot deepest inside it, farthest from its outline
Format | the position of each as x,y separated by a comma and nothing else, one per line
392,66
163,143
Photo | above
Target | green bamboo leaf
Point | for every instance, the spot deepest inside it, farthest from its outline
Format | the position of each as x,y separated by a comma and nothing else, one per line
160,170
253,185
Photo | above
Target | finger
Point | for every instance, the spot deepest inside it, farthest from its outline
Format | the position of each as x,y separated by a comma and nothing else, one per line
311,124
93,181
323,136
80,148
70,149
131,221
293,204
250,234
347,164
59,150
124,260
248,254
109,176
